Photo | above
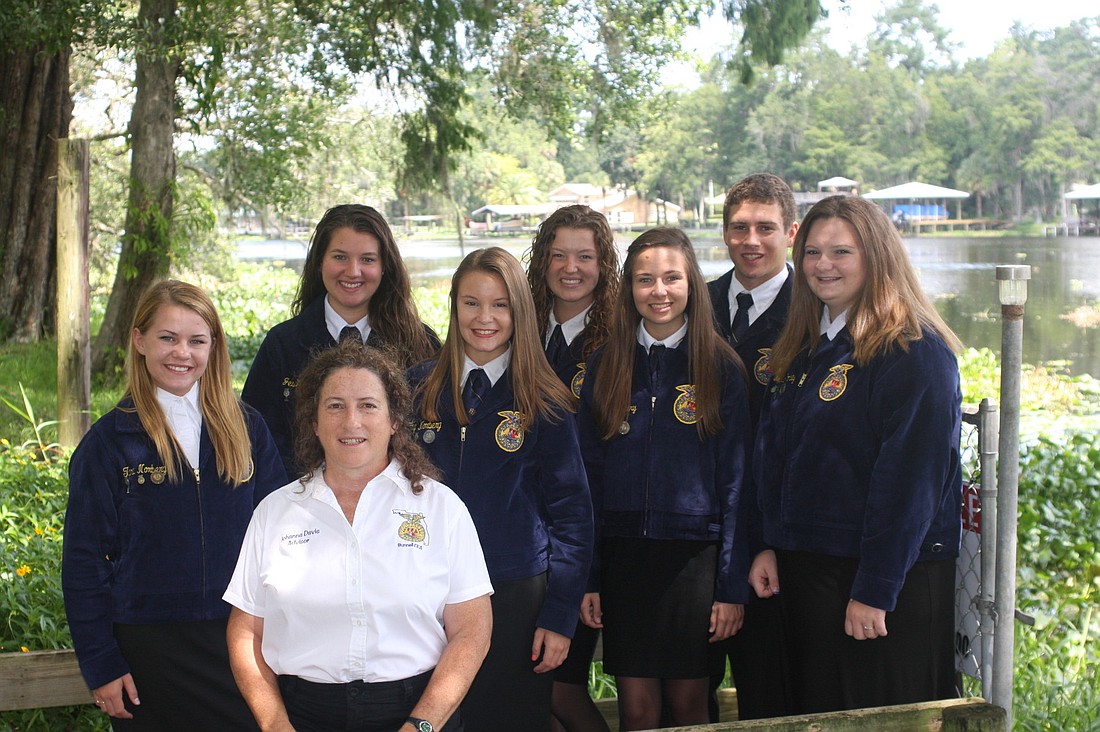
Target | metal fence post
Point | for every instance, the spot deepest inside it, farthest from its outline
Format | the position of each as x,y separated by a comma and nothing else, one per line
988,437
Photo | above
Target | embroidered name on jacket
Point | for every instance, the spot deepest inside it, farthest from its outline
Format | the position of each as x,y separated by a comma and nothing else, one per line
509,433
412,531
684,406
156,474
836,381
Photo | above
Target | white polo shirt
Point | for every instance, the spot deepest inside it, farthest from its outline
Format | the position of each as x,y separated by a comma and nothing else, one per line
344,602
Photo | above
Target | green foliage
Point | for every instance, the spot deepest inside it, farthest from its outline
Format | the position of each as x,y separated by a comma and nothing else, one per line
32,614
1046,389
1058,660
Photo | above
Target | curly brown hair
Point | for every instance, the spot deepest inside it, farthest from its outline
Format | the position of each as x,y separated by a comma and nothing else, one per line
352,354
607,288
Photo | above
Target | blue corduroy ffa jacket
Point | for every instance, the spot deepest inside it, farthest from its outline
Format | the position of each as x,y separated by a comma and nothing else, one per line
526,491
138,549
864,462
273,378
659,480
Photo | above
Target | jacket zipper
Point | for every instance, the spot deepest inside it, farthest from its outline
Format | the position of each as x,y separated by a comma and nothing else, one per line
202,532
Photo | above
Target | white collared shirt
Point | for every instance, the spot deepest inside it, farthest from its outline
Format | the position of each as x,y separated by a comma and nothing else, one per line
570,328
763,295
184,419
494,369
829,328
336,323
648,341
362,601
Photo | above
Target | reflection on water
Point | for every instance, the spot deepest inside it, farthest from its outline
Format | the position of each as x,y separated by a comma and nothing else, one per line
957,272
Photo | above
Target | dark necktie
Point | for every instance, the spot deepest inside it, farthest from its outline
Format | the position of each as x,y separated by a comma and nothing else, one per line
350,332
477,384
555,349
741,319
656,353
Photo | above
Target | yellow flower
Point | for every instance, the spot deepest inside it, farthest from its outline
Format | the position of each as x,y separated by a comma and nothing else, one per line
38,530
23,571
24,649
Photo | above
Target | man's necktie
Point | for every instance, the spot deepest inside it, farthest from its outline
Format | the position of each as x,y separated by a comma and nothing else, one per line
741,319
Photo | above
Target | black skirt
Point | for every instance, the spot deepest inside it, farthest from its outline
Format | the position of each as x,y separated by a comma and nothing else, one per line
183,679
657,597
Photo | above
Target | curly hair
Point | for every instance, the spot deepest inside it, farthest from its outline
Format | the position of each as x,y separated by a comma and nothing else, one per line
352,354
600,316
761,188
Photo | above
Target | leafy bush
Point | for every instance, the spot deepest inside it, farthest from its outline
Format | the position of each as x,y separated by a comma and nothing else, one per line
1058,660
32,512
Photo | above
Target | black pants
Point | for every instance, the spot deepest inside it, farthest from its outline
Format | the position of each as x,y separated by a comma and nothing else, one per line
356,706
183,679
507,694
832,671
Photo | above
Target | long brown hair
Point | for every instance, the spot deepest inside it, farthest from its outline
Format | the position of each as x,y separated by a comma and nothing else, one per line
352,354
706,349
539,394
891,310
392,310
577,216
221,410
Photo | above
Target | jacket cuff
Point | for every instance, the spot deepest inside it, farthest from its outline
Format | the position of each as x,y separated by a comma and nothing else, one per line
878,592
558,619
103,669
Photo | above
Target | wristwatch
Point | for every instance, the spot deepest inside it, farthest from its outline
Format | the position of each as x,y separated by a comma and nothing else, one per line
420,725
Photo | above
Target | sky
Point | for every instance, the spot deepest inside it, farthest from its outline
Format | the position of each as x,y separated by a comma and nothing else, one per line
976,25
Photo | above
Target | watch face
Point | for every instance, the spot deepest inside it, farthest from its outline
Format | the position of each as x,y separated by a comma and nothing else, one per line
424,726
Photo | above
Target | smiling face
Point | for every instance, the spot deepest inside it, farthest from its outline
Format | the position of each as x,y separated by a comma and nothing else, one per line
835,264
353,423
757,241
484,314
573,271
660,287
176,347
351,270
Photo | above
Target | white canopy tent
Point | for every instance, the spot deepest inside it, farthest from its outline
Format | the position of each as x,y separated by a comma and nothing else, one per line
836,182
915,190
1084,192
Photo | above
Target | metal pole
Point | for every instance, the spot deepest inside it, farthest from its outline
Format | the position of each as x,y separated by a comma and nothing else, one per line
988,437
1012,284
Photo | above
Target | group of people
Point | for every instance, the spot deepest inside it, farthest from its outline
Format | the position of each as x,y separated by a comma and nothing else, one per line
392,532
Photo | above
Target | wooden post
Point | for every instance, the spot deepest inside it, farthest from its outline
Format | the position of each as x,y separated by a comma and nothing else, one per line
74,394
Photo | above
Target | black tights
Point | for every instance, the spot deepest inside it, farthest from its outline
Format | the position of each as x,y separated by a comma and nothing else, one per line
642,700
574,710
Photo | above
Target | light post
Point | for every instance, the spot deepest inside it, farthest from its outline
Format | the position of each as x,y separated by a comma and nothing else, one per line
1012,293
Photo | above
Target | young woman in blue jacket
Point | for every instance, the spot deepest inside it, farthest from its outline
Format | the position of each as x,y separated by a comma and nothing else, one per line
574,278
497,422
858,472
665,429
354,285
161,491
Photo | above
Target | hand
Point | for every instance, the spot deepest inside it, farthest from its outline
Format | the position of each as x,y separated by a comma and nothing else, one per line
591,610
725,620
864,622
764,574
553,647
109,696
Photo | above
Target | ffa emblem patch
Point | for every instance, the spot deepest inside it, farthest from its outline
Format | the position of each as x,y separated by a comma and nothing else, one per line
411,529
509,433
835,382
578,380
684,406
761,370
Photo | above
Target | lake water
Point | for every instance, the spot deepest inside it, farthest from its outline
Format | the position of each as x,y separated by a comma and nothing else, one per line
959,273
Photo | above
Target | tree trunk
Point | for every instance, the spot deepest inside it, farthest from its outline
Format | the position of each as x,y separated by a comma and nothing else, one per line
146,242
35,111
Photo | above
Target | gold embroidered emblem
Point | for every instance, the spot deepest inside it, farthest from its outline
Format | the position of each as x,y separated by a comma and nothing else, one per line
684,406
761,370
578,380
836,381
411,529
509,433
